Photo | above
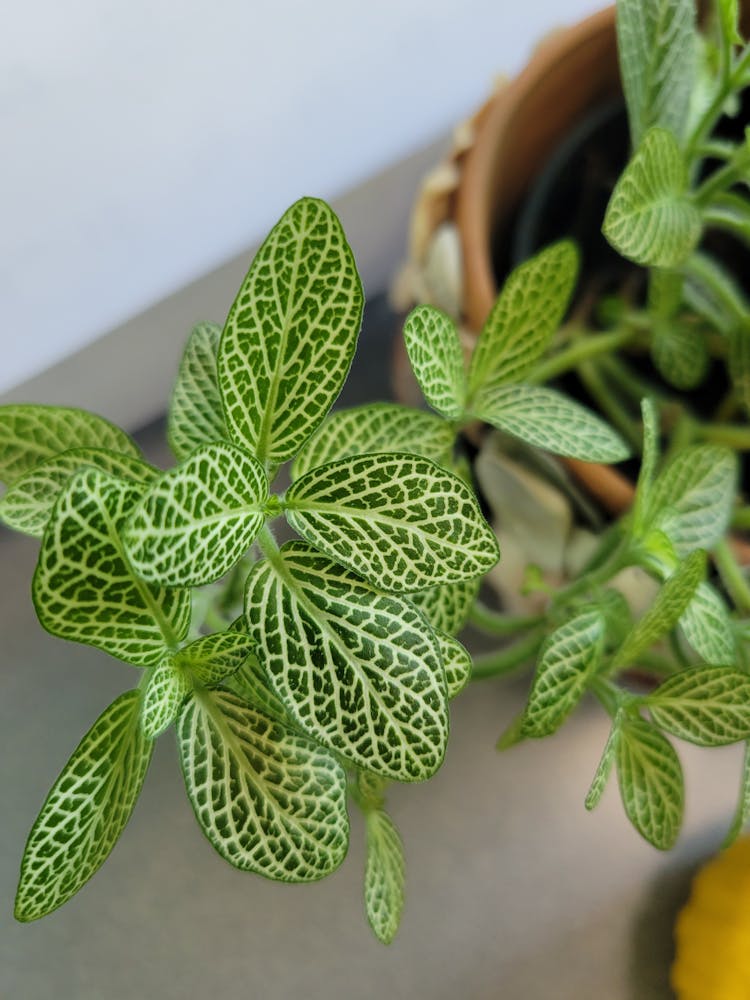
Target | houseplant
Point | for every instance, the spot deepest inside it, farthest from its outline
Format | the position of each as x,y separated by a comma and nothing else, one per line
299,675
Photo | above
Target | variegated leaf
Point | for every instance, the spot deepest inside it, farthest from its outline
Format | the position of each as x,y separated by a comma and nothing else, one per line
604,767
290,335
86,810
709,706
196,522
707,626
270,801
167,687
401,522
377,427
666,611
28,504
650,218
567,660
692,498
29,434
447,608
358,669
649,458
456,663
84,588
656,46
527,313
252,685
196,414
547,419
679,353
385,874
651,782
436,359
212,658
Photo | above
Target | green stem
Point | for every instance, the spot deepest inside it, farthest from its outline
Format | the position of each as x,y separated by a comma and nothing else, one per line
721,179
608,694
734,436
506,660
741,518
267,544
597,577
732,576
608,403
495,623
584,348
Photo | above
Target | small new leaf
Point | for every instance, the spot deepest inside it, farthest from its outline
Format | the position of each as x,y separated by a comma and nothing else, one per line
524,318
28,504
290,335
196,415
648,461
86,810
401,522
666,611
437,360
709,706
84,588
358,670
707,626
547,419
167,688
384,875
447,608
568,658
270,801
378,427
456,662
650,218
212,658
679,353
604,767
651,782
196,522
29,434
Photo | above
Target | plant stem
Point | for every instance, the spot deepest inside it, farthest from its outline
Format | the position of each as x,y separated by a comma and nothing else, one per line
584,348
732,576
734,436
741,518
495,623
608,403
608,694
602,574
504,661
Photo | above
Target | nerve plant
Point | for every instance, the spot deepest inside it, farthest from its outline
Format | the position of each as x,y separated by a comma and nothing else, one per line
302,675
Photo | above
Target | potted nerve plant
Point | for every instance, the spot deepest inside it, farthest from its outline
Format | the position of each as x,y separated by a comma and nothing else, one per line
304,676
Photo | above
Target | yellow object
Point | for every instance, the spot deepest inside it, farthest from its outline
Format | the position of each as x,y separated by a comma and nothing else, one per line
712,932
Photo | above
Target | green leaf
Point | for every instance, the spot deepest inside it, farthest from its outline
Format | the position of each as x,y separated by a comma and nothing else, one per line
197,521
712,293
729,21
708,627
401,522
568,658
679,353
604,767
742,813
651,783
270,801
86,810
251,684
359,670
692,498
547,419
212,658
29,434
648,461
437,360
739,364
290,336
666,611
650,218
384,875
447,608
196,414
27,506
456,662
709,706
167,688
84,588
656,47
524,318
377,427
730,212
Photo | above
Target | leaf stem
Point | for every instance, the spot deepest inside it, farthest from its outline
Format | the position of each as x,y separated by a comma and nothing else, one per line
734,436
584,348
732,576
496,623
608,403
508,659
598,576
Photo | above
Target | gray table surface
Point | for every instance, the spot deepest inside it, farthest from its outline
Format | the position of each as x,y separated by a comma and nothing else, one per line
514,891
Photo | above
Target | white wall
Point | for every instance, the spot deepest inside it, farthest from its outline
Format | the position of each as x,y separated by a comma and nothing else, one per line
147,141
